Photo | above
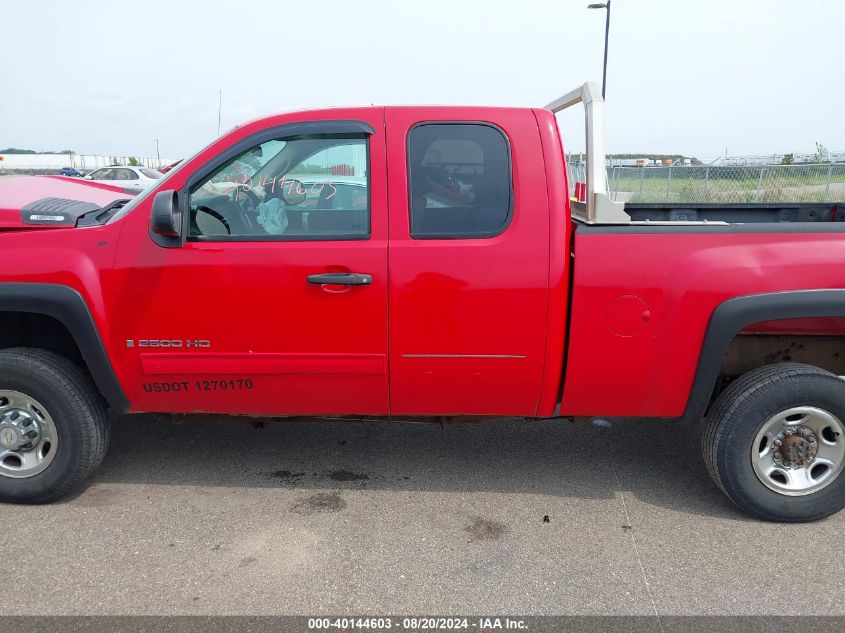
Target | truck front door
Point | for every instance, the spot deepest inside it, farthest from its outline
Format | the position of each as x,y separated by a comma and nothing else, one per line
276,302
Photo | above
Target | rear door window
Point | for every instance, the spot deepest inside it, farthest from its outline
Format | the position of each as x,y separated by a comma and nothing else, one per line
125,174
103,174
460,181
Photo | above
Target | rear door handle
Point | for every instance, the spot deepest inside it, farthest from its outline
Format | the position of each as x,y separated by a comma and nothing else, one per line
340,279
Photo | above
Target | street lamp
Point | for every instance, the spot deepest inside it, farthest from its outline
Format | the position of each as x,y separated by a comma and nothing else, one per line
603,5
158,156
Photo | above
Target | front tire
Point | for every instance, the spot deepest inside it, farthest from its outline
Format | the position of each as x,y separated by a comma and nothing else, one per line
774,442
53,426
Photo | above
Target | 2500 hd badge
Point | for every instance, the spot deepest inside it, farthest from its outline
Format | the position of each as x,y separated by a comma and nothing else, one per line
169,343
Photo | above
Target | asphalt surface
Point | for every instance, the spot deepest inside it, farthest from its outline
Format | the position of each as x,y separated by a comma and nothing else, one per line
315,518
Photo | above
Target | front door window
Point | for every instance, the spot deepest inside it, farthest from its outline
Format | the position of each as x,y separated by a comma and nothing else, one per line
286,189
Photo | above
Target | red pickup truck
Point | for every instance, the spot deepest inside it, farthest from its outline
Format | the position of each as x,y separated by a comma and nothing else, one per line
420,262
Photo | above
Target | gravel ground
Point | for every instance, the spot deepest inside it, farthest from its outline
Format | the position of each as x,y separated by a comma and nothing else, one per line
219,517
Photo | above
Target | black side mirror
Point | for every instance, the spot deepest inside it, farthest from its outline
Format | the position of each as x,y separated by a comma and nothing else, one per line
166,219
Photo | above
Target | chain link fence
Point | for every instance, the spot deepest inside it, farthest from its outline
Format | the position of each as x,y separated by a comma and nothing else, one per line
725,183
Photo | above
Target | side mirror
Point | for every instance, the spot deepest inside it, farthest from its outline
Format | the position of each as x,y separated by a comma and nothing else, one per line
166,219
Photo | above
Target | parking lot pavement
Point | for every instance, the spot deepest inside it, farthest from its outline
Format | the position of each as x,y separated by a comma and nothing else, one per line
386,518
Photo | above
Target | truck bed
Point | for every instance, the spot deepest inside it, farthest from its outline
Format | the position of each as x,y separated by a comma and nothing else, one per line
740,213
643,296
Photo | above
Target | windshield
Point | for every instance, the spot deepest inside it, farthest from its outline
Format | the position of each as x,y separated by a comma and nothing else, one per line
153,185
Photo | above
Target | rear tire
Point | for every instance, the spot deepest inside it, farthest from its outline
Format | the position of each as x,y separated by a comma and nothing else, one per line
55,402
747,434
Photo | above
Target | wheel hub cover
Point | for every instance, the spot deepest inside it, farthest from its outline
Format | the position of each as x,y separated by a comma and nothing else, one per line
796,448
18,430
8,437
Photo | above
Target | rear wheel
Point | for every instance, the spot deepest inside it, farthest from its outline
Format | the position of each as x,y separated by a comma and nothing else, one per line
774,442
53,426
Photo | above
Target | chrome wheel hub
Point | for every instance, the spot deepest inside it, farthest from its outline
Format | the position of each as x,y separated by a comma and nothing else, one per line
795,448
799,451
28,437
19,430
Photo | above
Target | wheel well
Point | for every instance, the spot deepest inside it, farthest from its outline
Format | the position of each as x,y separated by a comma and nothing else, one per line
28,329
808,312
56,318
748,351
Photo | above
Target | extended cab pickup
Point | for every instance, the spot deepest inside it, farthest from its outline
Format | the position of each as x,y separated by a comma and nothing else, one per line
419,261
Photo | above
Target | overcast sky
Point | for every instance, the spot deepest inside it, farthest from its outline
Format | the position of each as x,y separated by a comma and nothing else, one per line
690,77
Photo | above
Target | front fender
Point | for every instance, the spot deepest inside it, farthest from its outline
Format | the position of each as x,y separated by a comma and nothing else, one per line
67,306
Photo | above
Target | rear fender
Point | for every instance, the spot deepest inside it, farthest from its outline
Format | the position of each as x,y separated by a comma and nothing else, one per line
734,315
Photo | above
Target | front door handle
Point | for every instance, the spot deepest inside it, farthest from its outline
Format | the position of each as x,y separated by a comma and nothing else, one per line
340,279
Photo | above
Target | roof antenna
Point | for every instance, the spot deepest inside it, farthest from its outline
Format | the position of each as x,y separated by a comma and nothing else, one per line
219,108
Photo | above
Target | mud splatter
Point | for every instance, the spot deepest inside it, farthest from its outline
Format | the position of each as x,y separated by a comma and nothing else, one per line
287,476
319,503
485,530
347,475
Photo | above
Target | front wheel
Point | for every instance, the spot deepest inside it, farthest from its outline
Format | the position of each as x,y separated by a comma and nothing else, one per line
774,442
53,426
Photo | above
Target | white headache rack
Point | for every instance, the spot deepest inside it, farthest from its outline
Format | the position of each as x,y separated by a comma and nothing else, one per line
598,208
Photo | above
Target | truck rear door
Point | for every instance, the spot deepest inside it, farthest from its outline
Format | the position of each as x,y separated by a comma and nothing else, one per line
468,261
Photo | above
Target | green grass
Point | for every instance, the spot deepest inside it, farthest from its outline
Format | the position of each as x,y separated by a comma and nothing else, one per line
745,184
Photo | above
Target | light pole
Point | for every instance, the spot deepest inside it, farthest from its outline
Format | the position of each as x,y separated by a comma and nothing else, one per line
158,156
603,5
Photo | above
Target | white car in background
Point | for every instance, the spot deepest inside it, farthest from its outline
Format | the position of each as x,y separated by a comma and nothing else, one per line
125,176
